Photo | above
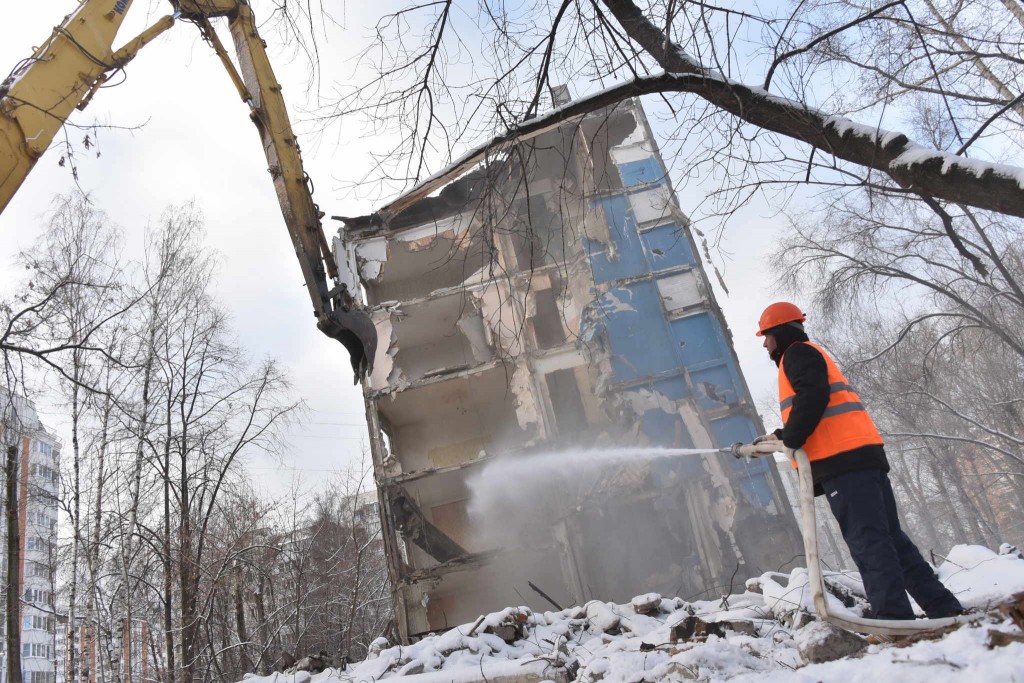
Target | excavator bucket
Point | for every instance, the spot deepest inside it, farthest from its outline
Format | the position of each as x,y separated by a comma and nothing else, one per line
354,329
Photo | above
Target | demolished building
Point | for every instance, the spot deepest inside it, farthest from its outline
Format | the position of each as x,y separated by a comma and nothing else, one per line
552,299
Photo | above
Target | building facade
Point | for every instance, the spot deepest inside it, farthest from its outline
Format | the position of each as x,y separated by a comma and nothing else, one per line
38,456
551,304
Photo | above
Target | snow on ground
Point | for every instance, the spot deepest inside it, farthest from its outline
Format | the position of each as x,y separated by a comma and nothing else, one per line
752,636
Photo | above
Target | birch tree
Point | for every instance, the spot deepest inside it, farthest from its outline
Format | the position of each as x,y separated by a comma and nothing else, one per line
80,241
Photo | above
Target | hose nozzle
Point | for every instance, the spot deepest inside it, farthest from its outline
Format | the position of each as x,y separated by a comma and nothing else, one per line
753,450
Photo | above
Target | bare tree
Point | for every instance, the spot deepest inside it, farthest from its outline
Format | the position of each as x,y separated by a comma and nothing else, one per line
163,404
742,88
299,578
80,241
935,344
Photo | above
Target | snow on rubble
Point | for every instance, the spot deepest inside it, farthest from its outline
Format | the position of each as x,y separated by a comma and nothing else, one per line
758,635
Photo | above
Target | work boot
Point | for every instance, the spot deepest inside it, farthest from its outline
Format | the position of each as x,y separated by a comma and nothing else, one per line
954,609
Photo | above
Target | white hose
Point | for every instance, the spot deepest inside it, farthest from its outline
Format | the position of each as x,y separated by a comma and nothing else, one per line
892,627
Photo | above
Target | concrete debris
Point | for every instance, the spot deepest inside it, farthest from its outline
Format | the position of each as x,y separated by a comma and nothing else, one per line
507,632
697,629
311,663
737,638
510,625
1002,639
648,603
790,601
412,668
1010,549
822,642
317,663
1014,610
674,671
376,646
602,618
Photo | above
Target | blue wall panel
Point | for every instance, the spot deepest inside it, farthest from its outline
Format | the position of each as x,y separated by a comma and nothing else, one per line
754,474
667,247
628,259
715,386
674,388
644,343
640,343
641,172
699,339
663,429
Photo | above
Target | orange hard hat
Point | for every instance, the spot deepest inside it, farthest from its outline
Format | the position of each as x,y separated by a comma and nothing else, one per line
779,313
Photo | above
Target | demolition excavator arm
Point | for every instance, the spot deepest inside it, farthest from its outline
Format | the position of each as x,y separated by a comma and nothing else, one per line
78,58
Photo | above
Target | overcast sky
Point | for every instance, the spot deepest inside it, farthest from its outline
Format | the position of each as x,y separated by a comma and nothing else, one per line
198,144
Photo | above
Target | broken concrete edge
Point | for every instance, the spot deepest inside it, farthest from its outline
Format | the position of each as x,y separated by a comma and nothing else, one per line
377,395
417,528
415,475
432,574
465,188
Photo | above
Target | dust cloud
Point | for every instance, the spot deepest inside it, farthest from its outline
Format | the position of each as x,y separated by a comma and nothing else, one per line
624,508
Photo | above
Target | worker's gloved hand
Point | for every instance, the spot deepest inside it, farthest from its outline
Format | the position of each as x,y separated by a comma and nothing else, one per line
770,436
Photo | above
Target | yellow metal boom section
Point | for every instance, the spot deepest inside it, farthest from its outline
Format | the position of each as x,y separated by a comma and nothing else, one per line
43,90
282,149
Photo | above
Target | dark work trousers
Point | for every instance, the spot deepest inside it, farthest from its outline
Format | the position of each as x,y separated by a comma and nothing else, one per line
890,564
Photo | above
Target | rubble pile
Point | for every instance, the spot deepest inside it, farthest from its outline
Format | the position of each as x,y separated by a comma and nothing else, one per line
766,633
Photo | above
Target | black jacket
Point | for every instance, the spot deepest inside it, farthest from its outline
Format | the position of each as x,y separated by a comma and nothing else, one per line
808,374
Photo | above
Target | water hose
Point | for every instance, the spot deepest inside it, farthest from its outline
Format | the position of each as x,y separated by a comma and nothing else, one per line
892,627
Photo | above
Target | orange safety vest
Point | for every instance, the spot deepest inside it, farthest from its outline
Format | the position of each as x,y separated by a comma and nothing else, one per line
844,425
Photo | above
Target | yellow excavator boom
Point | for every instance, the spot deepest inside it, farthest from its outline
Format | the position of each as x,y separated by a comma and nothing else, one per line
60,76
65,72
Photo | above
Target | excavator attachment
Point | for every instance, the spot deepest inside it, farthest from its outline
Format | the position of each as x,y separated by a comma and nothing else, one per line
354,329
339,315
77,60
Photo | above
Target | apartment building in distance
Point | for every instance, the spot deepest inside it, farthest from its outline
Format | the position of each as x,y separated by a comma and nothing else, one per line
38,455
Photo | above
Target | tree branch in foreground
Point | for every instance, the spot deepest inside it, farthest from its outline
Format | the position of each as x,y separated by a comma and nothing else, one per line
920,169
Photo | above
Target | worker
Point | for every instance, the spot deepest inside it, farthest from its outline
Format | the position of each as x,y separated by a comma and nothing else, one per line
822,414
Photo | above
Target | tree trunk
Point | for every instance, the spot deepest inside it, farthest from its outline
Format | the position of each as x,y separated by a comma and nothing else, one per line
959,528
13,586
187,572
76,517
915,496
89,642
263,665
243,634
167,558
